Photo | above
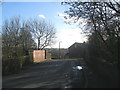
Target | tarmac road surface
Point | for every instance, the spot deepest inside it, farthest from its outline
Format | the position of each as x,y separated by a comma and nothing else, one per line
50,74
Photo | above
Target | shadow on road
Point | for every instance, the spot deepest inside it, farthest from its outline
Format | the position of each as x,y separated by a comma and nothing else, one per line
50,74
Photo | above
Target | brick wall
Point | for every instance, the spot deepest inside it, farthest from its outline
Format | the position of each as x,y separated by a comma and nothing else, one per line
38,56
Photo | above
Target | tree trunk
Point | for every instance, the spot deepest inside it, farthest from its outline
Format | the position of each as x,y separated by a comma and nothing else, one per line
39,43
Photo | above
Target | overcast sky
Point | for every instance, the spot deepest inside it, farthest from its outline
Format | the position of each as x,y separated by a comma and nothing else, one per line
50,11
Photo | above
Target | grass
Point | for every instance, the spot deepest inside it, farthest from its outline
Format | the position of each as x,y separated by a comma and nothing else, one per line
74,59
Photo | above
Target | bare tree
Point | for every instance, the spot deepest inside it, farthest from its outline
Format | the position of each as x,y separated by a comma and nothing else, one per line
16,38
44,32
114,5
11,34
104,21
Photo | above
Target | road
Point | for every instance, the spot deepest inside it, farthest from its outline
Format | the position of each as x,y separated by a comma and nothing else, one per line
50,74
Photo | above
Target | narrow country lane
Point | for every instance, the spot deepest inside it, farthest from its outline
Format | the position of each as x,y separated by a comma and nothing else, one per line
50,74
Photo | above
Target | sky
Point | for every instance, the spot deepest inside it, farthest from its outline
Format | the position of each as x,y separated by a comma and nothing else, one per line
49,11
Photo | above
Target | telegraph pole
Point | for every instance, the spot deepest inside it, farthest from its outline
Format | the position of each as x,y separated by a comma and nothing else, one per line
59,49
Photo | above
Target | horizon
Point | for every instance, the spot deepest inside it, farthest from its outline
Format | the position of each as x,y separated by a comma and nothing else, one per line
48,11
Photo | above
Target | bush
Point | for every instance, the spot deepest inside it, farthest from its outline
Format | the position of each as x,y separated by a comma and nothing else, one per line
10,66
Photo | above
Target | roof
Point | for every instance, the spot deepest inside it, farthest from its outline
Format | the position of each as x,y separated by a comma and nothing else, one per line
76,44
